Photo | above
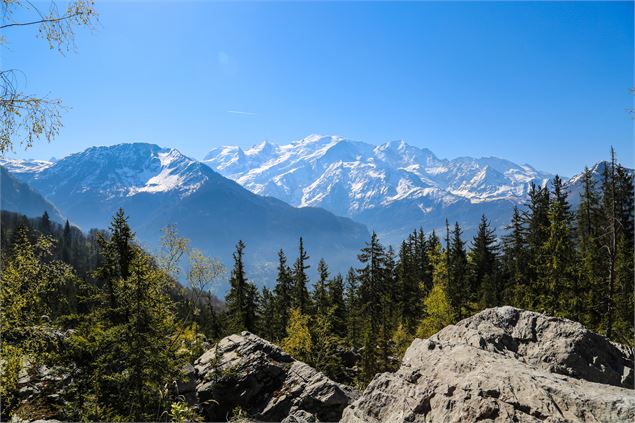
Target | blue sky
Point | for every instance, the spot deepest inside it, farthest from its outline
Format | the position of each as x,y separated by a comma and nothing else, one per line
541,83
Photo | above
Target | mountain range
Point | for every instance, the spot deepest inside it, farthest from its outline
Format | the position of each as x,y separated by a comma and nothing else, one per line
160,186
392,188
329,190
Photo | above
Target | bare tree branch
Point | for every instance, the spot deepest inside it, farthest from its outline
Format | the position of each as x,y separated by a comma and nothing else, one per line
51,20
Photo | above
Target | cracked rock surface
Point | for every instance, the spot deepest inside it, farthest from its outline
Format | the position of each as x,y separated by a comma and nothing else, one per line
244,372
503,365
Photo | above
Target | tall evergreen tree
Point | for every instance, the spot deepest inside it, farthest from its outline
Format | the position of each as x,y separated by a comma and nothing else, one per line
266,315
353,306
590,252
320,296
124,355
241,299
483,261
457,288
537,224
335,294
45,223
515,289
283,297
373,278
624,330
301,299
557,257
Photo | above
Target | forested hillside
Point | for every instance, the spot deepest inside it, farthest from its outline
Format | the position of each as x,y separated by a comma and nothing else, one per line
112,325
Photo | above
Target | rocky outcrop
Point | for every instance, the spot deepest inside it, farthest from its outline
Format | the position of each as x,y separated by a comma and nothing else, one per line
504,364
244,372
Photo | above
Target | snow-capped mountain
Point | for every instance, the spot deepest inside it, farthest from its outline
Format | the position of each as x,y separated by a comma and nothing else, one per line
160,186
121,170
363,181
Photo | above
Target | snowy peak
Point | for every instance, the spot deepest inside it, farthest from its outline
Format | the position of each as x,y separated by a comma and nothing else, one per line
25,165
121,170
349,177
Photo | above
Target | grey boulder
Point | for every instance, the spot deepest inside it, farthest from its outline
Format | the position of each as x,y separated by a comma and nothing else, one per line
248,376
504,364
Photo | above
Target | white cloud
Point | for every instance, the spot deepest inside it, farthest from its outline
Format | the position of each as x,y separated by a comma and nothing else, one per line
240,112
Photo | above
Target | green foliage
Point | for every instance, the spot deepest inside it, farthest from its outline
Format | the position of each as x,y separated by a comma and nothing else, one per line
29,285
457,286
242,298
132,326
26,118
324,345
298,341
439,313
300,296
483,263
401,340
180,412
283,297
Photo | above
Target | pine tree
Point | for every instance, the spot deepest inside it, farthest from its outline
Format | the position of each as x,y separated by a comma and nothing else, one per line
617,244
537,223
45,223
301,299
624,330
266,315
67,243
483,262
353,306
335,295
457,288
558,258
514,262
374,278
283,297
589,252
241,299
320,297
122,356
117,252
324,345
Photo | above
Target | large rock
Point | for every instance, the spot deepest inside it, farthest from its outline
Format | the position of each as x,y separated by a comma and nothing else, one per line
248,373
504,364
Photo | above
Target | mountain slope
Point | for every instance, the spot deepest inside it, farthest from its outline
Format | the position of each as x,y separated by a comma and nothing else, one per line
393,188
158,186
18,197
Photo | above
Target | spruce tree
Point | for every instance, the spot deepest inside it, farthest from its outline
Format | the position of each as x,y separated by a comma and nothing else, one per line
283,297
45,223
241,299
373,279
123,355
624,329
536,219
353,306
560,294
590,252
320,296
483,262
301,299
266,315
335,295
457,288
515,288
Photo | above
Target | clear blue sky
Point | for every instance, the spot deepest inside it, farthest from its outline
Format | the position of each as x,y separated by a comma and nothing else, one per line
542,83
